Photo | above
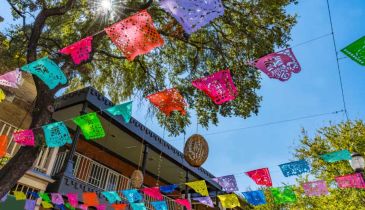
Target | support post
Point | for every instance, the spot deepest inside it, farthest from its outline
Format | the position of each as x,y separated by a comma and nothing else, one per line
145,156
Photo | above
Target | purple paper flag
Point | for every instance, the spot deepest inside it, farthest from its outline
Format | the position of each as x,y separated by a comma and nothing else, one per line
11,79
228,183
29,204
57,198
315,188
205,200
3,199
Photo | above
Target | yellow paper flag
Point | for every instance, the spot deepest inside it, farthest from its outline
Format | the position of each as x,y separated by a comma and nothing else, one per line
199,187
229,200
19,195
2,95
47,205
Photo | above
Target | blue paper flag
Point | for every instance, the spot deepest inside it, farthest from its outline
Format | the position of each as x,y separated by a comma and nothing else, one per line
111,196
168,188
34,195
46,70
255,197
138,206
124,109
29,204
294,168
56,134
132,195
159,205
336,156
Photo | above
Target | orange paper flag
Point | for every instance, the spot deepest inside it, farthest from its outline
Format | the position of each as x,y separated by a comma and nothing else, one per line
121,206
3,145
90,199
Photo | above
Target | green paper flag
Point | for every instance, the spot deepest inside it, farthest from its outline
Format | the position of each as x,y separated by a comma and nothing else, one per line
356,51
90,125
336,156
44,197
124,109
283,195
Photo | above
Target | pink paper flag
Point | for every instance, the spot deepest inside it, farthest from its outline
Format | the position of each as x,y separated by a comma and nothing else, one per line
184,202
11,79
80,51
24,138
350,181
153,192
83,207
72,199
57,198
315,188
278,65
101,207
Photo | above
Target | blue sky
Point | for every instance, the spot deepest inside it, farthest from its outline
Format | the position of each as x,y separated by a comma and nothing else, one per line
314,90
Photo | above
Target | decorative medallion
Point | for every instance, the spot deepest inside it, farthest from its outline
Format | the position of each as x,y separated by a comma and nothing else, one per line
137,179
196,150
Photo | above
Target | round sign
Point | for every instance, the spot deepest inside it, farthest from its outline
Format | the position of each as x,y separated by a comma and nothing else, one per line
196,150
137,179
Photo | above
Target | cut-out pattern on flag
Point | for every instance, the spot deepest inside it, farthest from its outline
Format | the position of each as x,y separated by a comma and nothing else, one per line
3,145
111,196
29,204
47,205
132,195
336,156
57,198
2,95
255,197
138,206
101,207
283,194
90,125
168,101
193,14
184,202
351,181
121,206
228,183
125,110
90,199
218,86
11,79
260,176
56,134
168,188
135,35
80,51
229,200
315,188
24,138
159,205
356,51
46,70
205,200
199,187
278,65
19,195
73,199
153,192
294,168
45,197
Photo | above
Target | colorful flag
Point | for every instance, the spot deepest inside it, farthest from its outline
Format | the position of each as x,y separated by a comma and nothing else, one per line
56,134
90,199
132,195
255,197
199,187
24,138
138,206
260,176
184,202
46,70
351,181
168,101
57,198
111,196
193,14
218,86
11,79
135,35
356,51
315,188
294,168
2,95
19,195
4,198
336,156
30,204
68,206
90,125
80,51
278,65
44,197
3,145
168,188
101,207
283,195
153,192
205,200
159,205
228,183
125,110
72,199
47,205
121,206
229,200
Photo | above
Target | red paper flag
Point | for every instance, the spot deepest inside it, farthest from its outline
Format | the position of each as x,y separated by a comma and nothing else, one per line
90,199
79,51
168,101
260,176
3,145
218,86
135,35
119,206
184,202
153,192
351,181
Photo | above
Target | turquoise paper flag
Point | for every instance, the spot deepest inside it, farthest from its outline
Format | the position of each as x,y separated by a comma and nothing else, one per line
132,195
90,125
124,109
138,206
336,156
46,70
56,134
159,205
111,196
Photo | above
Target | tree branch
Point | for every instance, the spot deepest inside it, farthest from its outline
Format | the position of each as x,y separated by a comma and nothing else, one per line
21,14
